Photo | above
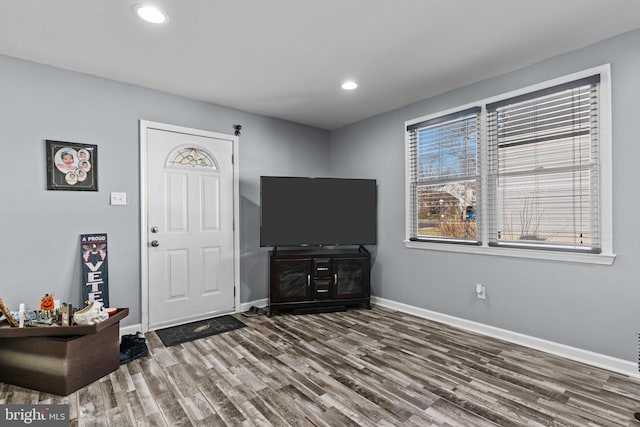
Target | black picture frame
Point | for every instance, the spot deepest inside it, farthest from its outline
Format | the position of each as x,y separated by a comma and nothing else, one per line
71,166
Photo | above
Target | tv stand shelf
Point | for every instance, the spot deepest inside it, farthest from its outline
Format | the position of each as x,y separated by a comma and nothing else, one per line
307,280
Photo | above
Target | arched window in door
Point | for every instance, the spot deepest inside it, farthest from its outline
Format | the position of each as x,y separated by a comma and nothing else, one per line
189,157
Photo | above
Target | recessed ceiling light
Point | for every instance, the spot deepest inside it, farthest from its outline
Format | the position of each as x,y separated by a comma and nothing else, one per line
151,14
349,85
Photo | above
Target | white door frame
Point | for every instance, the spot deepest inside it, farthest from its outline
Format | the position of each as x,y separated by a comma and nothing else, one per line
144,253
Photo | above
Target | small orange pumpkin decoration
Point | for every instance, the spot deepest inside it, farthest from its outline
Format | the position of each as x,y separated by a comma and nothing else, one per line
47,303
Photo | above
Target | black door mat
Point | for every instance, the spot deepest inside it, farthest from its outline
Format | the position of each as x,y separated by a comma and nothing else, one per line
200,329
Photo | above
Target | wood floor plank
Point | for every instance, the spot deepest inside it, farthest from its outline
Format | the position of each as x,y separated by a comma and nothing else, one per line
224,407
259,411
361,367
91,406
443,412
144,394
134,408
172,410
116,417
366,410
345,411
197,407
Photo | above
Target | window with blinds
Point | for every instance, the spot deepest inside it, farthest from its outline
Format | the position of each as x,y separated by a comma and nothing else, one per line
522,174
543,168
444,177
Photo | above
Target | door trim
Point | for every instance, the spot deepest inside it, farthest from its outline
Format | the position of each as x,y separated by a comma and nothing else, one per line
145,125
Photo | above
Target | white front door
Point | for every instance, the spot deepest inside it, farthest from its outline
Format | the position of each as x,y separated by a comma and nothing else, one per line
189,227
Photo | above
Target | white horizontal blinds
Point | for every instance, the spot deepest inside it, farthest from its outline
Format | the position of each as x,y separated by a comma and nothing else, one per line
543,168
444,177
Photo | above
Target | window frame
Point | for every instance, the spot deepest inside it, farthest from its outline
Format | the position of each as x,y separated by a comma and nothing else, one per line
606,255
439,124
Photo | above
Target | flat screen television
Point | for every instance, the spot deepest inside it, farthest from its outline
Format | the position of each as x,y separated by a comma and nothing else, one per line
299,211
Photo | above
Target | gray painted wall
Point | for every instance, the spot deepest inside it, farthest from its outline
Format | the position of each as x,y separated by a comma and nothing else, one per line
586,306
39,249
591,307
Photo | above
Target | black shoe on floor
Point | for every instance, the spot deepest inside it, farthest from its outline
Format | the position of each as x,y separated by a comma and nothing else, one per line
132,338
132,347
253,311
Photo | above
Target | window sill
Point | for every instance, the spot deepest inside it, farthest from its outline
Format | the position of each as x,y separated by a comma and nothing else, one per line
601,259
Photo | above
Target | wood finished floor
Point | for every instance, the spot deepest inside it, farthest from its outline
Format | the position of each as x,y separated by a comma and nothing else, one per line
357,368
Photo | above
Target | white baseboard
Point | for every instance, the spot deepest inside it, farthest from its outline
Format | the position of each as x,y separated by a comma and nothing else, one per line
257,303
130,329
585,356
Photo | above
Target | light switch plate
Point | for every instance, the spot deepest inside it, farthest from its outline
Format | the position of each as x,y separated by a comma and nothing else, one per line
118,199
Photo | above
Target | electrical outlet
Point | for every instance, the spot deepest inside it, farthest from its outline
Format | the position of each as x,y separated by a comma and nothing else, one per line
481,291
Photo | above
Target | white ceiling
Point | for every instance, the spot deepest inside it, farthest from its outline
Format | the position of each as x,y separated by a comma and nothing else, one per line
287,58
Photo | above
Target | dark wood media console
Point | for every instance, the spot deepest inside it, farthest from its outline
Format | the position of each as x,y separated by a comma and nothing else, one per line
313,280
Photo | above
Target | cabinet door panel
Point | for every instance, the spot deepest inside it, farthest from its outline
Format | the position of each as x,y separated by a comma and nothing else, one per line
351,276
292,280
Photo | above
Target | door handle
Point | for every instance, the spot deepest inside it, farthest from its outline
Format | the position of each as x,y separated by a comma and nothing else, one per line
155,243
154,229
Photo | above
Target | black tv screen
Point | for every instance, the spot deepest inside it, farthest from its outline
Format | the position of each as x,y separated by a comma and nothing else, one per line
297,211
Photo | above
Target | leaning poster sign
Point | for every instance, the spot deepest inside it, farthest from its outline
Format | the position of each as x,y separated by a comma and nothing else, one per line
95,272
